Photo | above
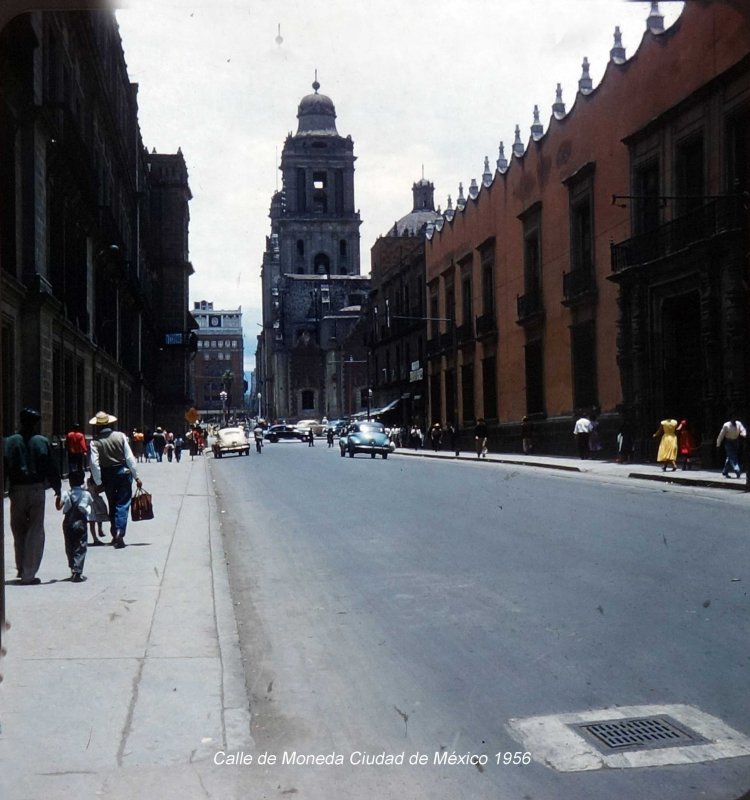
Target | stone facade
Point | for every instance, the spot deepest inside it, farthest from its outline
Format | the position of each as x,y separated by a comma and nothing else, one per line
81,283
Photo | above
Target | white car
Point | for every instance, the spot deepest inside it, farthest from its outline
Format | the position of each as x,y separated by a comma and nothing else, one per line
230,440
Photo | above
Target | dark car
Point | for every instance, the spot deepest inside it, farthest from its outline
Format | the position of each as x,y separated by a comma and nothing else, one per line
276,432
366,437
337,425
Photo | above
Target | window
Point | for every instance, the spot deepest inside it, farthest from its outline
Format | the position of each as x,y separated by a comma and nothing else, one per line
450,300
466,300
342,248
738,151
583,355
322,264
436,407
647,215
339,190
532,268
434,311
489,387
689,174
308,400
320,192
487,265
581,235
300,248
450,395
467,391
534,368
301,190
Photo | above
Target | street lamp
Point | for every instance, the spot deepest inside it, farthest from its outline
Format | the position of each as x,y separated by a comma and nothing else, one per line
260,406
223,397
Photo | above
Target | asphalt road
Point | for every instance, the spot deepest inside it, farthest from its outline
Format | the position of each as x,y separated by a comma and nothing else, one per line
415,607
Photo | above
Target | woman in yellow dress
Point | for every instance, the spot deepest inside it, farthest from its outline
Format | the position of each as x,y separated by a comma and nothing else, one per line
668,444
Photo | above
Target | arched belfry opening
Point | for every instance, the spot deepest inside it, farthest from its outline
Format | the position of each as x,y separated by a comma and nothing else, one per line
322,264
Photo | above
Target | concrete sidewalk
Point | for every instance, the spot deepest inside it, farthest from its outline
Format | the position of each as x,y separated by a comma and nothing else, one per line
128,684
594,466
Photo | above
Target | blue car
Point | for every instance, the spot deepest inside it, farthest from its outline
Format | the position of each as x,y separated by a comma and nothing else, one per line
366,437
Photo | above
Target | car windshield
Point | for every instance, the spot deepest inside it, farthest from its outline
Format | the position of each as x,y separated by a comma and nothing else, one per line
370,427
231,432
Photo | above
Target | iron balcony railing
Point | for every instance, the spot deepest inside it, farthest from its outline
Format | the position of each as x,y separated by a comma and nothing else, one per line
719,216
529,305
433,346
486,324
577,283
465,332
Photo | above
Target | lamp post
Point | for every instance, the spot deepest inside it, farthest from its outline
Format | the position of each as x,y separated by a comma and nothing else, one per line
223,397
260,406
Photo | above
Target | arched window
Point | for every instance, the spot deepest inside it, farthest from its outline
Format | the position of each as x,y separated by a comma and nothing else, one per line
322,264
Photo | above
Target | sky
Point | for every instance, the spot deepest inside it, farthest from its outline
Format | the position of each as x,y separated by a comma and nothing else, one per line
423,87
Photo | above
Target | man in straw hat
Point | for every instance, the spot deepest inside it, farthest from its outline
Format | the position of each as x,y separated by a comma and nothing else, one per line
113,468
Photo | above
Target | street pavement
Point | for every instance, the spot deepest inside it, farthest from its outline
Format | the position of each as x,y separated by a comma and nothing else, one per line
129,684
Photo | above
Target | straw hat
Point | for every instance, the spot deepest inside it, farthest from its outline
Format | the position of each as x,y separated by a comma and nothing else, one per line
102,418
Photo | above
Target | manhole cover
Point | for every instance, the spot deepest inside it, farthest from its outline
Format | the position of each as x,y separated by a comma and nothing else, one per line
639,733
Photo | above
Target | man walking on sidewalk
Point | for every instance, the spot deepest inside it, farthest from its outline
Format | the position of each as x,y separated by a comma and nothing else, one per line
29,467
113,468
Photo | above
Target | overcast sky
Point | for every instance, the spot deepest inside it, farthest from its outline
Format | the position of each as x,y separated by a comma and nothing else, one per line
416,84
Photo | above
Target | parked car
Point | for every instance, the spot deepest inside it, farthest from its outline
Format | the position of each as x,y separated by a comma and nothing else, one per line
366,437
230,440
304,425
276,432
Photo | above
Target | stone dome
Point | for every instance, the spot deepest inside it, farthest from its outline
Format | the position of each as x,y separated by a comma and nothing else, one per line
316,114
422,213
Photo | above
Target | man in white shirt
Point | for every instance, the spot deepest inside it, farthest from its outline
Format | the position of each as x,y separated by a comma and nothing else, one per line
730,434
581,431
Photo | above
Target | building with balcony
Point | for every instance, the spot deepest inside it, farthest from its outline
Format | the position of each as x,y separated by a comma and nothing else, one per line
311,283
610,250
93,234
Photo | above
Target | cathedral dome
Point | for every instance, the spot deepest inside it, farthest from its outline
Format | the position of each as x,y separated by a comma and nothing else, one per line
316,114
422,213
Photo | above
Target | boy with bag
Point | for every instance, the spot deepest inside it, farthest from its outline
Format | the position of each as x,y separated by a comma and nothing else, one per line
77,506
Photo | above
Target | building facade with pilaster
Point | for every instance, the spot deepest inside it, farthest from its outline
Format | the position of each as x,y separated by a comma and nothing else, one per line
603,266
84,294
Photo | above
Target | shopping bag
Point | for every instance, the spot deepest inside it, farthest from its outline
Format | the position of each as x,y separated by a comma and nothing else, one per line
141,506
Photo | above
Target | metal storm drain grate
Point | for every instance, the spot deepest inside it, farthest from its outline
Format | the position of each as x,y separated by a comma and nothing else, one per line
639,733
